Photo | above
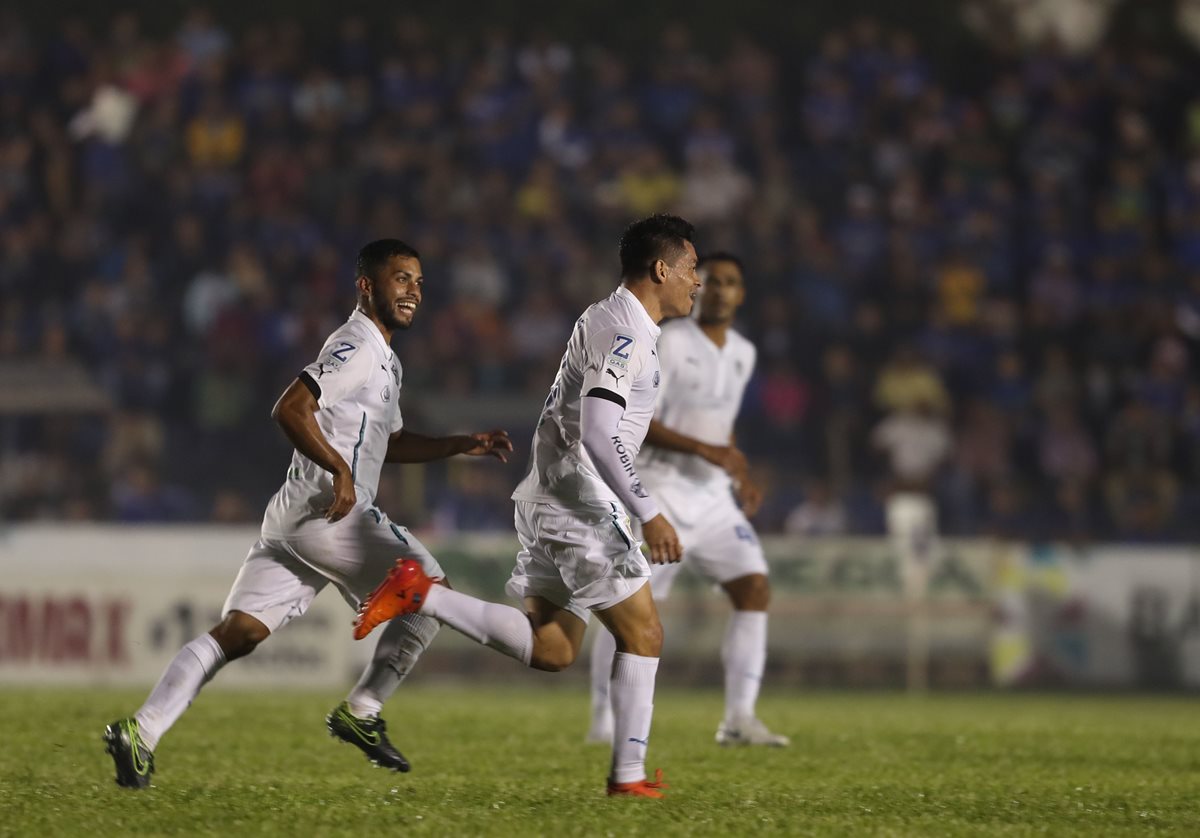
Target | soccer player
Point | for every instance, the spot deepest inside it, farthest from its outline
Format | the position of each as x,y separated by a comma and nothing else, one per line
698,476
577,552
343,416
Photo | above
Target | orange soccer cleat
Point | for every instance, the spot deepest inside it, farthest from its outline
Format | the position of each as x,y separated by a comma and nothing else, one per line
403,591
640,788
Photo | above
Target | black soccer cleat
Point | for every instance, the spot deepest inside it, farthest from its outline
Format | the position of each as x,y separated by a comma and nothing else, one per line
134,761
368,735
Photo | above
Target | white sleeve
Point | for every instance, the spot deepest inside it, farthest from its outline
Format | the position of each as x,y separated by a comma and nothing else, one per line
614,359
599,419
342,369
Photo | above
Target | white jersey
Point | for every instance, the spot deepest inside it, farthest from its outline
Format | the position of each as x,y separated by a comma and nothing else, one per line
613,348
356,380
702,393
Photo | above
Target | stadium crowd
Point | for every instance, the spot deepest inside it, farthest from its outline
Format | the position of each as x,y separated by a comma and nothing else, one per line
1014,256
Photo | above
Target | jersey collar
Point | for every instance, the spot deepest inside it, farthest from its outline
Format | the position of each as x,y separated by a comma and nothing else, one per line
374,330
631,299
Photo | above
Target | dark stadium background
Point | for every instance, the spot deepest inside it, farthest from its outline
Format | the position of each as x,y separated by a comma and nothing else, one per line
1023,217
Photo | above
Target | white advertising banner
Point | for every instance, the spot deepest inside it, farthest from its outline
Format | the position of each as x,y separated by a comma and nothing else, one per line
1099,616
112,605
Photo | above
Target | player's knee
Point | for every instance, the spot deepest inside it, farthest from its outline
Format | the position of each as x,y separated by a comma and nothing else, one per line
552,657
239,634
645,640
750,593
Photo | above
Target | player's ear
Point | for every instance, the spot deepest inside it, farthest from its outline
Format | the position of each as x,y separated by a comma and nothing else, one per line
660,271
363,284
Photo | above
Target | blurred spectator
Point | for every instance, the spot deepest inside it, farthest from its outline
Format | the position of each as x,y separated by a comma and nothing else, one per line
906,381
820,513
916,442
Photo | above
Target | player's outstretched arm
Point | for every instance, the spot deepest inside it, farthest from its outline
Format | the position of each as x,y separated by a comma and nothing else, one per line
295,412
727,457
405,446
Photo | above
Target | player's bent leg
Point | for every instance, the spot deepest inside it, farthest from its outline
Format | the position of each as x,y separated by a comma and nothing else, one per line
744,655
356,720
407,590
396,653
131,742
557,634
237,635
638,634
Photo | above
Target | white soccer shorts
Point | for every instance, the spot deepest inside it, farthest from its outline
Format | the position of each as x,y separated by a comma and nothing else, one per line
281,576
582,558
719,543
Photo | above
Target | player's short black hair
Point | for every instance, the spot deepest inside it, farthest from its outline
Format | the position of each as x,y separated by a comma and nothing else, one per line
374,256
721,256
657,237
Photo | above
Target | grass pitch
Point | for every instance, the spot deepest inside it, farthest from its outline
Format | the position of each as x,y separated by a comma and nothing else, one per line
499,761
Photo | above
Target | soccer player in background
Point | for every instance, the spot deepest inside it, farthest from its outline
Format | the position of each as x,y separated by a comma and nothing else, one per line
343,416
577,552
699,478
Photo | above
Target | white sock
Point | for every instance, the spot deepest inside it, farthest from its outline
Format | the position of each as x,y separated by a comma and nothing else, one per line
744,653
402,642
603,649
633,708
191,668
501,627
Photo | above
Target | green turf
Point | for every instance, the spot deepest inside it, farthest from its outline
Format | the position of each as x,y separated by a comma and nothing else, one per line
510,762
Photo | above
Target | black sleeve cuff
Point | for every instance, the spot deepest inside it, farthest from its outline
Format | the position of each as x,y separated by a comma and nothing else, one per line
601,393
311,383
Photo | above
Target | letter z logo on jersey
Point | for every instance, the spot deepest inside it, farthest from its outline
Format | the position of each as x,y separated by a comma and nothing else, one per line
342,352
620,352
336,356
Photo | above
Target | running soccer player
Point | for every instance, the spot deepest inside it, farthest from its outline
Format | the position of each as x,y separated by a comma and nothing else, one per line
343,416
577,552
698,476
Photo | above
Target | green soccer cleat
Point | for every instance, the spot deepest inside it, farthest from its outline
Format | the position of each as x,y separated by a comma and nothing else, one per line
368,735
134,761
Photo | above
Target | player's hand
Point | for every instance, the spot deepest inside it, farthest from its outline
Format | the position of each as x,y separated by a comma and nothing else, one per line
727,457
749,496
494,443
343,496
662,540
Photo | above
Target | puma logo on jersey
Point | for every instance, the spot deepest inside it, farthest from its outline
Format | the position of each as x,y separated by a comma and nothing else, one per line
616,378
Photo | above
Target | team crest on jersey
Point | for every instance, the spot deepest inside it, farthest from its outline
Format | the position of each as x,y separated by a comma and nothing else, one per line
656,378
386,395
